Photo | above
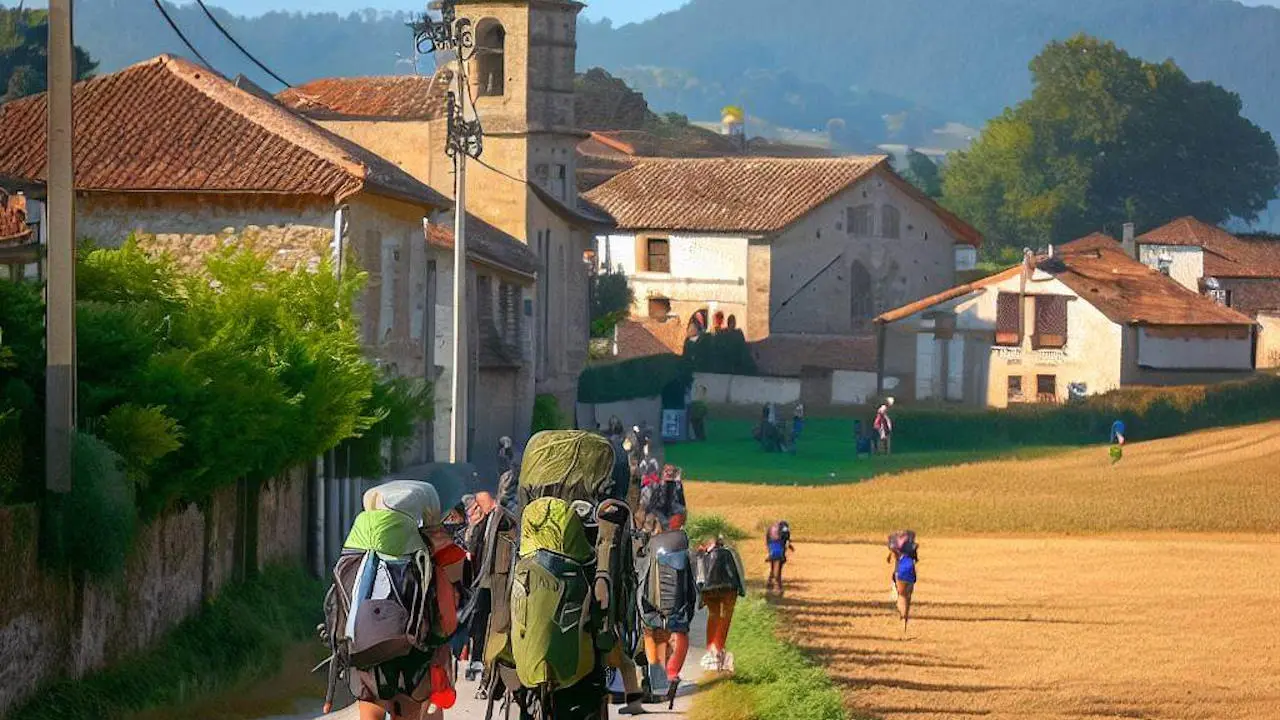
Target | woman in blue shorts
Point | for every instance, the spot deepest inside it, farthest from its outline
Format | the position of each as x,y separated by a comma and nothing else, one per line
778,542
904,577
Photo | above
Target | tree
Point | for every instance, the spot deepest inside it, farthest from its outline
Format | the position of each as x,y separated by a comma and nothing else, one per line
923,173
611,299
1107,138
24,57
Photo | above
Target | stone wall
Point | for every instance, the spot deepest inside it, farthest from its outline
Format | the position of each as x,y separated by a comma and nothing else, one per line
54,625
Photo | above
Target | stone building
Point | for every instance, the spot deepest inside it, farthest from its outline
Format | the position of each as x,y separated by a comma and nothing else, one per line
796,252
1084,319
1239,272
181,158
522,79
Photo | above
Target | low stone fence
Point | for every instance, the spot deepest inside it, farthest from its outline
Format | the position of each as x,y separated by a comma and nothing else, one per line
56,625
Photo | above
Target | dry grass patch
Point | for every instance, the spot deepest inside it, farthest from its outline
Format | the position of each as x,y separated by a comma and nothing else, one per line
1053,629
1217,481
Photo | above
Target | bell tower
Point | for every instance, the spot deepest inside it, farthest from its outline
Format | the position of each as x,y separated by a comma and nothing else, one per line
521,77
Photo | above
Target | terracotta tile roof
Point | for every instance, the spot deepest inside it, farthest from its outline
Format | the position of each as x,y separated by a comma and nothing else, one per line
169,125
487,244
13,220
400,97
1123,289
1127,291
786,355
643,337
739,194
1226,255
744,194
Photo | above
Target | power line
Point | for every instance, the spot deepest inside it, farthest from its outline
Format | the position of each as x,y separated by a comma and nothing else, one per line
183,38
239,47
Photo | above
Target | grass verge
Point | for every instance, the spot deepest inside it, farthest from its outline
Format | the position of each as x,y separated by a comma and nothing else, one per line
243,634
774,680
824,456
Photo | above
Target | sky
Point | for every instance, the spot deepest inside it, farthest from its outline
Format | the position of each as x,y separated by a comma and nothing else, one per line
620,11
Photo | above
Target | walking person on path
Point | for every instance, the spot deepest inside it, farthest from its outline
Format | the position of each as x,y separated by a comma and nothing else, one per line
777,541
720,578
904,554
883,425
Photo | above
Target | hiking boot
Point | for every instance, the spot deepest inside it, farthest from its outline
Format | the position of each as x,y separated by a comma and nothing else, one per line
708,661
634,706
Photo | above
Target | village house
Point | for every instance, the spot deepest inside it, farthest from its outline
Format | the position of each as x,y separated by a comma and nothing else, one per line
800,254
1086,318
1239,272
522,79
189,163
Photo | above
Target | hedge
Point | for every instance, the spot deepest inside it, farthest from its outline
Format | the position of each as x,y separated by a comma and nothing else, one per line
666,375
1149,413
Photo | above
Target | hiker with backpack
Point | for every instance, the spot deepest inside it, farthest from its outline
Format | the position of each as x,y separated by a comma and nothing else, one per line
668,601
663,502
563,580
721,580
777,540
393,607
904,554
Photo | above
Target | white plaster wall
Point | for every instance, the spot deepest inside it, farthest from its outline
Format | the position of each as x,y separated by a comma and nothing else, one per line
1188,263
1093,354
711,388
705,269
1192,353
630,412
1268,340
852,387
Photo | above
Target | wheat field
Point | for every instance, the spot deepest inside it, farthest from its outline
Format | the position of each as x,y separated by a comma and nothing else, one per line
1058,588
1221,481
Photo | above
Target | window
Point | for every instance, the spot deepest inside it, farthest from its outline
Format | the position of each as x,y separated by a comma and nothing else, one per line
490,62
1051,322
484,299
890,222
560,182
542,175
860,298
1046,388
509,315
1015,389
861,220
659,308
1009,319
658,255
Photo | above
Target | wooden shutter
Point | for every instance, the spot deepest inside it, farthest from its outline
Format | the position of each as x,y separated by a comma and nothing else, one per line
1051,321
1009,319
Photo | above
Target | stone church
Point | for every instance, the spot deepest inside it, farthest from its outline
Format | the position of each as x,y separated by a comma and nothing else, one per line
522,187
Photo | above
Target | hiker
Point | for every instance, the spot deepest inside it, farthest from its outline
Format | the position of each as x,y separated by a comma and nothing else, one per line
574,563
663,502
904,553
650,474
403,667
1117,441
721,580
797,422
668,598
479,506
778,543
883,426
506,454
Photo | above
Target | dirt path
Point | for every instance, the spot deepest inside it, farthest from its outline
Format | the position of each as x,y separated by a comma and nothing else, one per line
1048,628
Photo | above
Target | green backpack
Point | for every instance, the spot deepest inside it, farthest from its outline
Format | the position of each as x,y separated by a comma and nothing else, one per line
567,595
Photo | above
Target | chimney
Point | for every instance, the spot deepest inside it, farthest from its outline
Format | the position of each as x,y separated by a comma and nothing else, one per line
1128,244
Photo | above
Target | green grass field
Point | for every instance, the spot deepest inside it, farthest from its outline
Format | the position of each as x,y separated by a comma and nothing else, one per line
824,456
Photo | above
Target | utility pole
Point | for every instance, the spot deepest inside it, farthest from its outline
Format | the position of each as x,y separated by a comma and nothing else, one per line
60,281
458,435
454,34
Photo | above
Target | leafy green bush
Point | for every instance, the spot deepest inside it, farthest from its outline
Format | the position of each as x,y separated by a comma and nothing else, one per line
725,352
242,635
611,299
92,528
705,527
546,414
642,377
